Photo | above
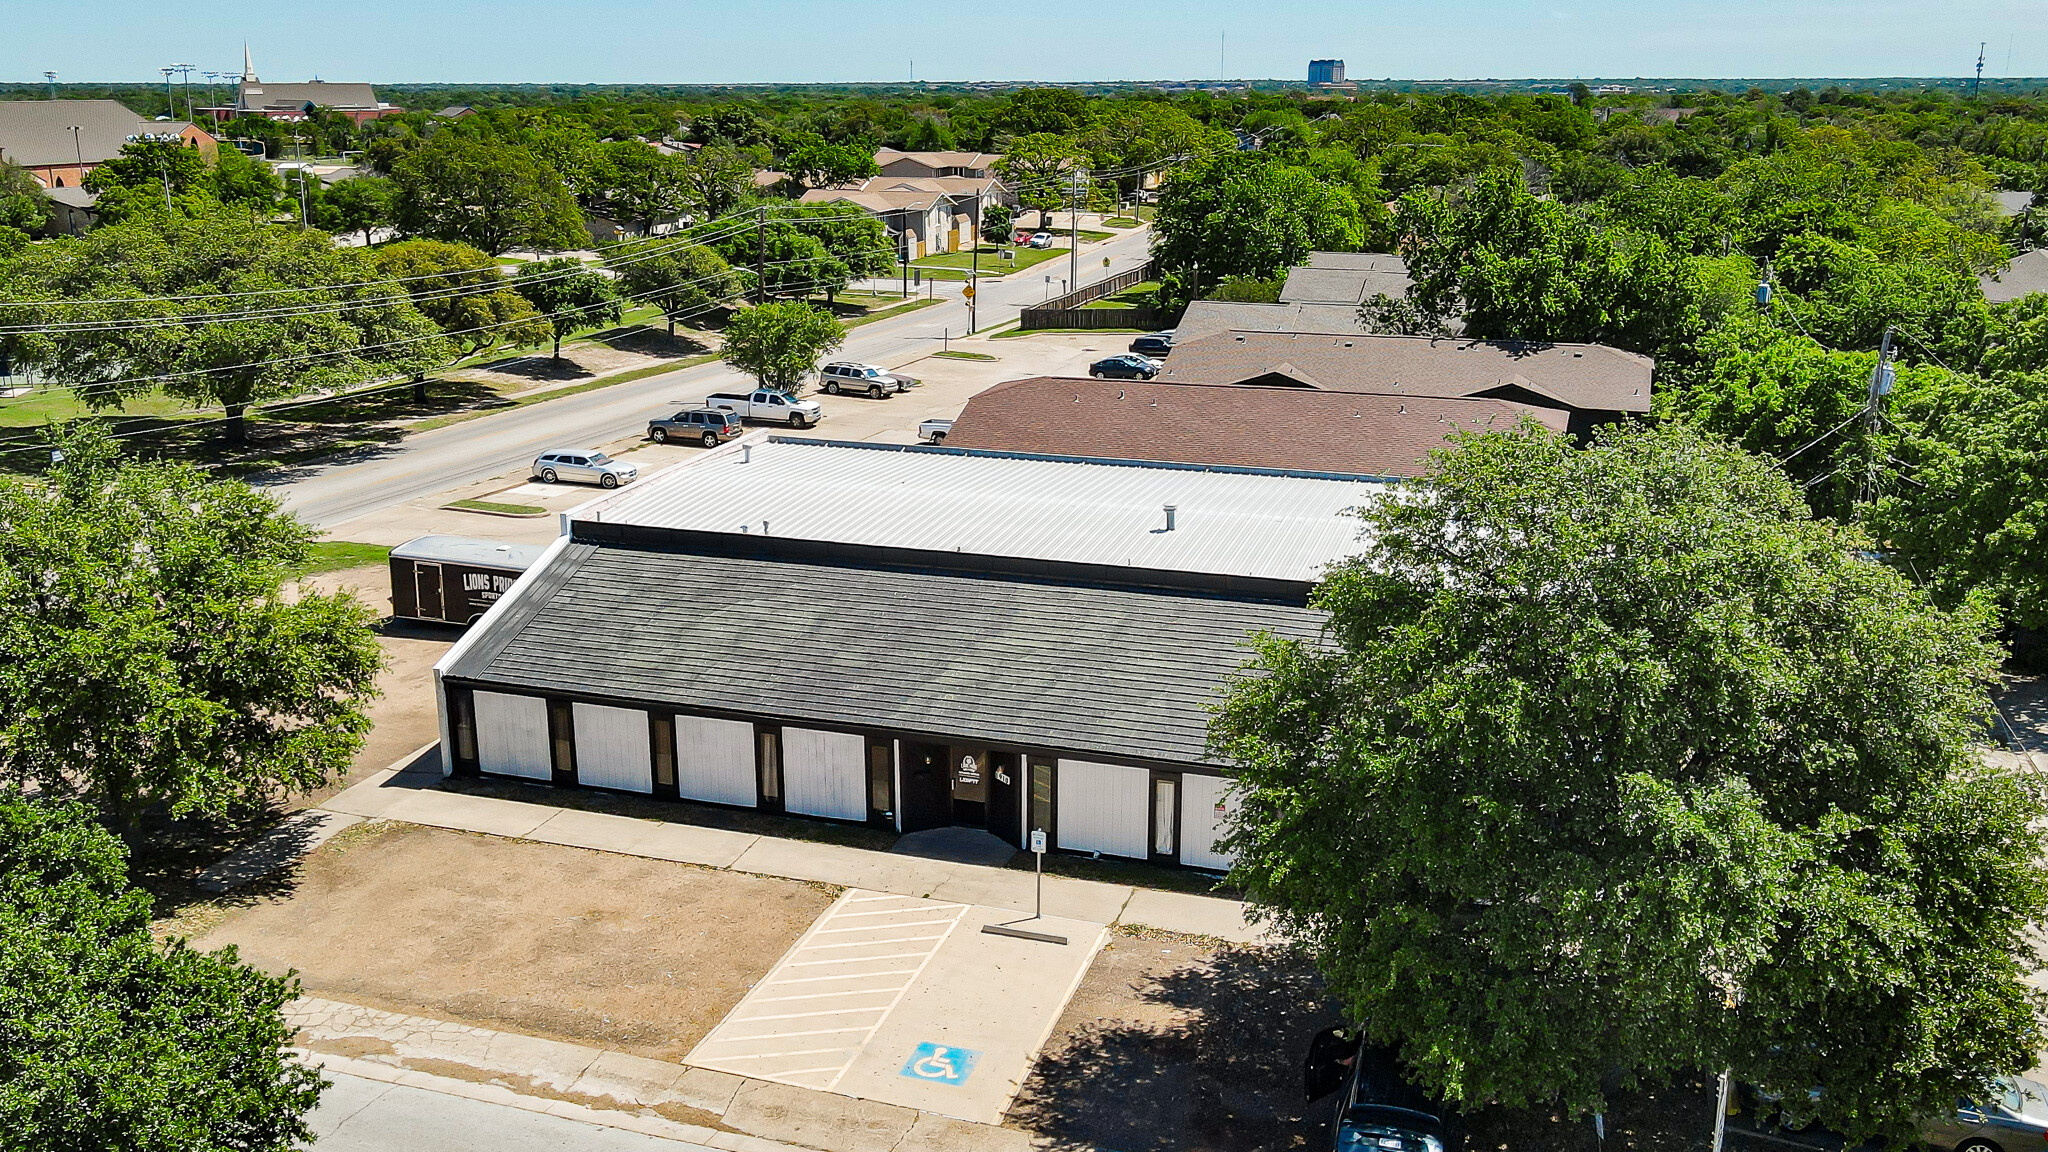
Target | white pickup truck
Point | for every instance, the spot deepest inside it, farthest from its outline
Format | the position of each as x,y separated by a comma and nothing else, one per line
769,406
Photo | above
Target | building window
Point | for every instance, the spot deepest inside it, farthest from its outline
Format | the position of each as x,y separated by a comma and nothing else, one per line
462,727
881,782
1165,817
1041,799
562,740
768,762
661,733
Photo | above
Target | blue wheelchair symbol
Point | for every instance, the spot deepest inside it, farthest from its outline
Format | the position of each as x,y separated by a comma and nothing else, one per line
940,1064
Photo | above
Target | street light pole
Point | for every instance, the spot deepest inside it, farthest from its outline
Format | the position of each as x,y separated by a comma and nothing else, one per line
52,78
170,103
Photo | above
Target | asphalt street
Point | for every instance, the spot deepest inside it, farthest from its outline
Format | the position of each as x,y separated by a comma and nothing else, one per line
358,1115
353,485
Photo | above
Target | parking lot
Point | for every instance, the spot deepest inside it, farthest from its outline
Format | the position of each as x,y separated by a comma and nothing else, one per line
906,1001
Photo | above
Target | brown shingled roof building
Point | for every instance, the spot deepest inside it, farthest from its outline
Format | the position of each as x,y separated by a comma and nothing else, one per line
1290,429
1592,383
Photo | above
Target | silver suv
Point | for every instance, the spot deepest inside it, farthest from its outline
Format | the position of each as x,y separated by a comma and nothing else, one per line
847,376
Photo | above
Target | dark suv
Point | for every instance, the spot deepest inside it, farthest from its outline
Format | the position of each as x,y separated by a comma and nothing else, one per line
1153,344
1376,1107
707,426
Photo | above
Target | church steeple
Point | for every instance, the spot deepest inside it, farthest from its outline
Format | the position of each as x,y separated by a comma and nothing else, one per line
248,68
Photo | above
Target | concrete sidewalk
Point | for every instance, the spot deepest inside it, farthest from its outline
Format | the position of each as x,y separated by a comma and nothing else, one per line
703,1108
411,792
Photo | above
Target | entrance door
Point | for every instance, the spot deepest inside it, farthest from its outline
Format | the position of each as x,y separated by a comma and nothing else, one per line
426,583
927,800
970,787
1004,769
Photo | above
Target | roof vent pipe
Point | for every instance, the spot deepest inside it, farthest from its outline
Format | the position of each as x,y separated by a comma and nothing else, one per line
1169,517
746,453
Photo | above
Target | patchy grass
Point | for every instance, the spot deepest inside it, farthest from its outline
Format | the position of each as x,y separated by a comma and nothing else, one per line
54,402
434,422
1136,296
954,265
885,313
1090,235
951,355
1121,222
335,555
499,509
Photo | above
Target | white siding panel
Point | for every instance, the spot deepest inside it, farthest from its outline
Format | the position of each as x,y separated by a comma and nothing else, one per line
823,773
512,735
1202,798
1104,808
612,749
715,760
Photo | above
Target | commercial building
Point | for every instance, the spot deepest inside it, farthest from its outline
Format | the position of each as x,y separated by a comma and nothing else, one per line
1326,72
1591,383
60,142
906,637
1294,429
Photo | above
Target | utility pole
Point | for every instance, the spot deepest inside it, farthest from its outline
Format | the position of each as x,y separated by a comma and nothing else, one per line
1975,84
52,78
184,72
1881,377
300,140
1074,234
974,268
761,256
170,103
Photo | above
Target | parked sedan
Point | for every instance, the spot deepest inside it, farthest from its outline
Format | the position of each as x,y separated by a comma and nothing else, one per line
1125,367
1041,240
1376,1107
2017,1118
583,465
1153,344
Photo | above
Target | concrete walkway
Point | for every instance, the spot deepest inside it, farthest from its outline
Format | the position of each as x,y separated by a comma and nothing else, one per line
700,1107
411,792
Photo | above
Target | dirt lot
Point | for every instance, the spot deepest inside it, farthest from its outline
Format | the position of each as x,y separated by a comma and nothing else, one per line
1176,1043
588,947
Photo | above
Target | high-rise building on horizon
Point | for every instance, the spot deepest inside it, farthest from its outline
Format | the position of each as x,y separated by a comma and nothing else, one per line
1326,71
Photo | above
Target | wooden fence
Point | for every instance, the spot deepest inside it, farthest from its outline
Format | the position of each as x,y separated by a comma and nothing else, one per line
1146,318
1099,289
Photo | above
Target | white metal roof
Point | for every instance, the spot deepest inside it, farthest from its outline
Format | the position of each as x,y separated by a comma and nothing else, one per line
469,550
1269,525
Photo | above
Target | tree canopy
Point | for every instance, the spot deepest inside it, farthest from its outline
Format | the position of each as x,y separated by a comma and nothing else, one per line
780,344
685,281
149,654
490,196
110,1039
1618,764
1248,215
569,296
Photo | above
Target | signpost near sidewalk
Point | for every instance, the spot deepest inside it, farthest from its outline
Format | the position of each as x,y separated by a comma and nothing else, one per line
1038,910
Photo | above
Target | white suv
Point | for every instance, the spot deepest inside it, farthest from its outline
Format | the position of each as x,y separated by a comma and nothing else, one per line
846,376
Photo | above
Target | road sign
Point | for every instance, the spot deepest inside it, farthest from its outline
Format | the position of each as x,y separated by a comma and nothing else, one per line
940,1063
1038,840
968,291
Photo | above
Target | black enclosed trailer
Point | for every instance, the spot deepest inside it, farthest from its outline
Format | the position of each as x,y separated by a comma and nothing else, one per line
454,579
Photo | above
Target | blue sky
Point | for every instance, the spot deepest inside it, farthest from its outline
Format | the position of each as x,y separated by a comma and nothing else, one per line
683,41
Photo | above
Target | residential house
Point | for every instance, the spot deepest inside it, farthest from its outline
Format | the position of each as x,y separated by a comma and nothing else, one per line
59,142
970,165
925,215
1591,383
1284,429
1215,317
903,637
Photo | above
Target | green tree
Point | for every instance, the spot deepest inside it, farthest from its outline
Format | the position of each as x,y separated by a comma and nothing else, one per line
360,205
114,1040
1616,765
640,185
465,295
149,653
1247,215
684,280
721,178
815,162
149,177
1525,268
489,195
240,182
1974,517
996,219
569,296
1134,137
1041,169
22,203
234,313
780,344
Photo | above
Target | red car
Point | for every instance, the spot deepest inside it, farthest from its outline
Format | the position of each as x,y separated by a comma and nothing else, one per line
1022,236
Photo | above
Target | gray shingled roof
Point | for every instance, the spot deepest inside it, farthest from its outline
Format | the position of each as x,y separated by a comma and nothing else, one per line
1068,669
256,95
37,133
1348,286
1211,317
2026,275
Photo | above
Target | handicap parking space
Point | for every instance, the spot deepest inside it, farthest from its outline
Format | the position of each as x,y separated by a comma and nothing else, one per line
906,1001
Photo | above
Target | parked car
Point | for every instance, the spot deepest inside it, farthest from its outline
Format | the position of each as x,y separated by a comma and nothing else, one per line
2015,1119
583,465
1153,344
769,406
1023,236
933,431
707,426
1125,367
846,376
1041,240
1375,1105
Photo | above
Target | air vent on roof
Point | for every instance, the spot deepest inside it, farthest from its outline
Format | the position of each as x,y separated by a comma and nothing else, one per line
1170,510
